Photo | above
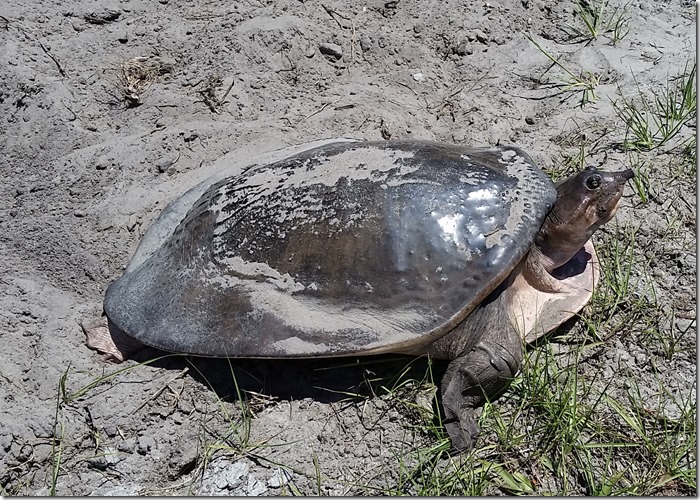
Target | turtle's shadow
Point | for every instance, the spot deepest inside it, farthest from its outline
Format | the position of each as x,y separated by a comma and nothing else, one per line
322,379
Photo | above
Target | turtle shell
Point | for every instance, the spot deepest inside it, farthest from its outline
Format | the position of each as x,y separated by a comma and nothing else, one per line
351,247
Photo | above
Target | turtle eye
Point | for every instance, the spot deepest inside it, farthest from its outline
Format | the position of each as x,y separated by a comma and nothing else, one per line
593,182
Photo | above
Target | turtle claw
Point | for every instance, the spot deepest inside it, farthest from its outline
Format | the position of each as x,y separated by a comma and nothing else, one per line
112,343
463,433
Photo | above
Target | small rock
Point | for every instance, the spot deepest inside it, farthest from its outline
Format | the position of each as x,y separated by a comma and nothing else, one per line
98,463
481,37
331,50
123,39
102,17
127,446
102,462
530,120
463,47
110,430
145,444
80,213
191,136
163,165
418,77
365,43
25,453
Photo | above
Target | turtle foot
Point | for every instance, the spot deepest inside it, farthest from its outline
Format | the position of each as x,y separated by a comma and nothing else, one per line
470,380
463,432
112,343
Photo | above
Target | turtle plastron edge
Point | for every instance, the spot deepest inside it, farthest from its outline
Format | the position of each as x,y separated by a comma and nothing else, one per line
535,313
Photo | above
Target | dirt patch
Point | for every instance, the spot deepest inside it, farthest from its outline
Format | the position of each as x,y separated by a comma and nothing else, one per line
107,113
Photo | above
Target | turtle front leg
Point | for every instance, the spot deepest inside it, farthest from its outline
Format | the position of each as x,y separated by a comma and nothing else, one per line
471,379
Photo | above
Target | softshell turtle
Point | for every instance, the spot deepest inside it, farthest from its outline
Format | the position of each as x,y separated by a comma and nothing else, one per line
354,248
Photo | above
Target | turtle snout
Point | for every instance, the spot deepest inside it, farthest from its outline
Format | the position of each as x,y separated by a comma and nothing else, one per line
611,193
616,179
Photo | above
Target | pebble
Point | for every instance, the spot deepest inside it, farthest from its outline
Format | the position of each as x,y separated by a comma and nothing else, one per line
365,43
102,462
163,164
145,444
530,120
331,50
418,77
127,446
102,17
25,453
463,47
481,37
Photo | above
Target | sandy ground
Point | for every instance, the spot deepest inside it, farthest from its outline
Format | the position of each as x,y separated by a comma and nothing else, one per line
109,110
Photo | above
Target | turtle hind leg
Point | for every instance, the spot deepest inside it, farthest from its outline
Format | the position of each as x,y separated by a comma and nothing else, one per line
102,336
470,381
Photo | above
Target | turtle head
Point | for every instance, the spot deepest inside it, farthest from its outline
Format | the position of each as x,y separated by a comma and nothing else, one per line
585,201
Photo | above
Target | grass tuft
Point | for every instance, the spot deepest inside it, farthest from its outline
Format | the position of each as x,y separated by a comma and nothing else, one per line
596,21
657,122
582,81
